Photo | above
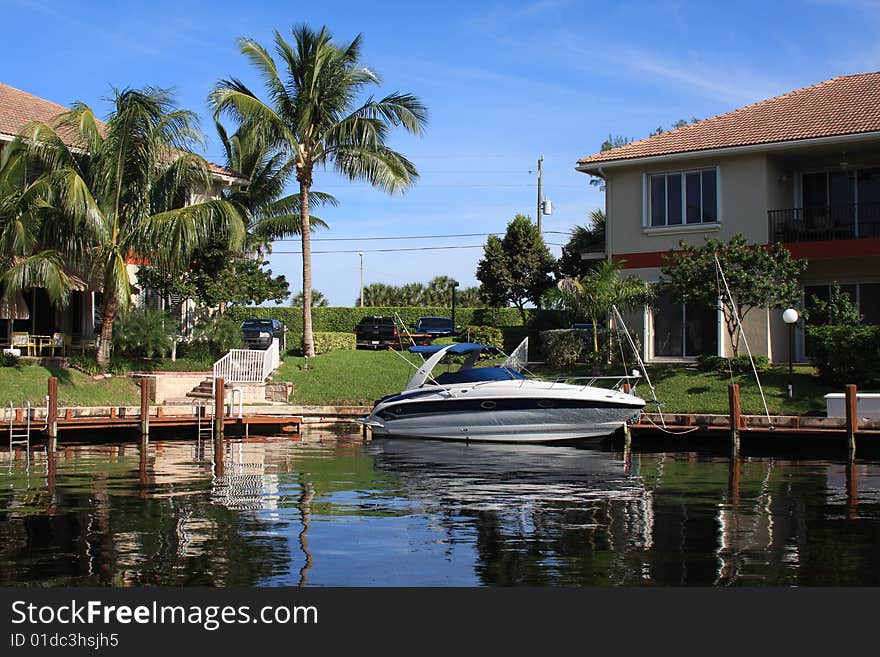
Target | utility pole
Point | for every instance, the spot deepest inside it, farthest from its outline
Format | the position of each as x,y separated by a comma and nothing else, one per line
540,193
362,278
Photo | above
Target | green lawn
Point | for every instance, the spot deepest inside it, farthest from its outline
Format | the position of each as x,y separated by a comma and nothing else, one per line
361,377
28,383
688,390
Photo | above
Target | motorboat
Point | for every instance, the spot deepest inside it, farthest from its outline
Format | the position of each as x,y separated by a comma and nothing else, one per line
498,403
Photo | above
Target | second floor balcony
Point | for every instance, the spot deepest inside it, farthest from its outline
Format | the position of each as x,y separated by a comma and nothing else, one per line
830,222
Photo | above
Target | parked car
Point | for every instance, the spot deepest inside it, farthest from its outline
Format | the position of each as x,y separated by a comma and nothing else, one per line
436,326
259,333
377,332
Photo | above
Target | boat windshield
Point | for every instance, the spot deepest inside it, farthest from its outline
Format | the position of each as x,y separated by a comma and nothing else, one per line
477,374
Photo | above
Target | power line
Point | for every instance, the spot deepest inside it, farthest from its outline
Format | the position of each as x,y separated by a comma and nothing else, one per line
407,237
410,248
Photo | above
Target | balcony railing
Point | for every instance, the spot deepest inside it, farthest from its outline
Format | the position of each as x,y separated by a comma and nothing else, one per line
834,222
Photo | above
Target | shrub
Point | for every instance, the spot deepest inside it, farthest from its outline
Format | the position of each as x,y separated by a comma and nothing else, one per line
334,341
87,363
9,360
119,365
846,354
143,332
564,347
487,335
215,336
737,365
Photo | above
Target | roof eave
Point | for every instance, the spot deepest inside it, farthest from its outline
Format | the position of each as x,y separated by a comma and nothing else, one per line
595,168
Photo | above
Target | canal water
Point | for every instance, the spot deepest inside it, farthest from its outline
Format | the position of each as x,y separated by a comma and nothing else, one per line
330,510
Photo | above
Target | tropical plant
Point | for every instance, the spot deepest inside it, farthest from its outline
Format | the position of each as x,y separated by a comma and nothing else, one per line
121,186
591,296
217,335
27,223
838,310
318,300
312,112
582,239
516,269
271,215
144,332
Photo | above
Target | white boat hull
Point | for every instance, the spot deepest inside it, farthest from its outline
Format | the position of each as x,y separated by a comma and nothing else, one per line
514,412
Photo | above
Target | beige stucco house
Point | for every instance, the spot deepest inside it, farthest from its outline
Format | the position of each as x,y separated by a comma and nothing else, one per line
802,169
81,319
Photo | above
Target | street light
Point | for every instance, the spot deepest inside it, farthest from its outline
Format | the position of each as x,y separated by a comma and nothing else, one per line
790,317
454,285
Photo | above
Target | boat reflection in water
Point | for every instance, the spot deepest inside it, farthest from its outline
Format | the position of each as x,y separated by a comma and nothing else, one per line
537,514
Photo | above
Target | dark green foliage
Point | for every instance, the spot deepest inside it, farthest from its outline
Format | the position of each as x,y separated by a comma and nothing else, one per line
737,364
839,310
846,354
563,347
87,363
219,334
333,341
344,319
582,239
9,360
517,268
143,332
758,277
488,335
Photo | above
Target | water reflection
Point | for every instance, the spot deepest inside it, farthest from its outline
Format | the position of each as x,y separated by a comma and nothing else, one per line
329,510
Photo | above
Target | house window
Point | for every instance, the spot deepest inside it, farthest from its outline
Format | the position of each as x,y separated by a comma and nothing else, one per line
684,330
684,197
865,296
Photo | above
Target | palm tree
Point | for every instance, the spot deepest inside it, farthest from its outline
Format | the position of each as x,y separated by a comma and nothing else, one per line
27,220
270,214
312,111
593,294
318,300
122,185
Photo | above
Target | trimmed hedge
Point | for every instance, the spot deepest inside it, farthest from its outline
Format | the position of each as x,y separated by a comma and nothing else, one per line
738,365
343,319
333,341
846,354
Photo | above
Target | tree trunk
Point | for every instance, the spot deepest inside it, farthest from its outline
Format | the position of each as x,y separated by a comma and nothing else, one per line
595,336
308,341
108,317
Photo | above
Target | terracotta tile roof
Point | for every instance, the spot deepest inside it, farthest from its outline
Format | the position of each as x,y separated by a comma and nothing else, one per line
18,108
841,106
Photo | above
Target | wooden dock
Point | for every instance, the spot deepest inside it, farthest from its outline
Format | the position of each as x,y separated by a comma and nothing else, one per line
28,423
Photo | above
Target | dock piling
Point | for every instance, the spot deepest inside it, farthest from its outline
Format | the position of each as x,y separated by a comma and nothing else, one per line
735,416
852,418
145,408
52,411
219,406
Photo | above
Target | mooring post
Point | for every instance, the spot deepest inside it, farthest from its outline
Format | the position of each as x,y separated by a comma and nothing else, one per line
733,399
145,408
219,406
852,418
52,412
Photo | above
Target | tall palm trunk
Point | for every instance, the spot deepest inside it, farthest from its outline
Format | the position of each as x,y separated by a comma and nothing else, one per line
308,343
108,317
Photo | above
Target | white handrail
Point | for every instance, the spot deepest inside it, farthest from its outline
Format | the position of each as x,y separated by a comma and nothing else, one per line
248,365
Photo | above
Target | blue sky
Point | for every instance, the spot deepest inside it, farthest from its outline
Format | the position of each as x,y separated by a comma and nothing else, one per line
504,82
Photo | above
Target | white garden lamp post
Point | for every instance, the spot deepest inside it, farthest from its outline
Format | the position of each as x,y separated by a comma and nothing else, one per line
790,317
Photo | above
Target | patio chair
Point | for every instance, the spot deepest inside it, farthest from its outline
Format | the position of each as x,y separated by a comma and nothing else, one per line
24,341
58,342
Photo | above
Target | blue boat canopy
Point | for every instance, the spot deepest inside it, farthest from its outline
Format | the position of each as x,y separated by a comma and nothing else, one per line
460,348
